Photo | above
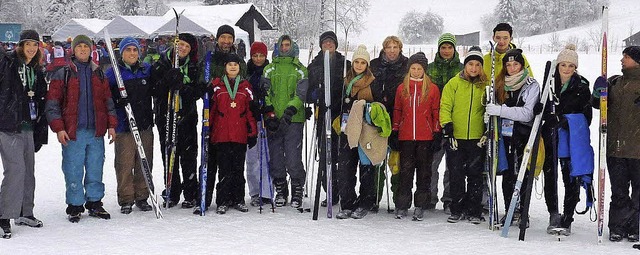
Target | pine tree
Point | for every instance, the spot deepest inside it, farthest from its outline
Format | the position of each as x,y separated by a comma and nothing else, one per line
130,7
418,27
506,11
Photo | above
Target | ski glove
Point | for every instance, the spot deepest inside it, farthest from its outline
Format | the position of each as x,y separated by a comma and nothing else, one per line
493,109
599,86
174,78
252,141
537,109
122,102
563,123
450,141
288,114
393,141
308,113
271,122
437,142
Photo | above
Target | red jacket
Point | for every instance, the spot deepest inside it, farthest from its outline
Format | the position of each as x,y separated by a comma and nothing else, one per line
62,108
232,121
415,119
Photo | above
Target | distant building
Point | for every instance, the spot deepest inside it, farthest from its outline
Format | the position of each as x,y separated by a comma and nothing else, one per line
632,40
469,39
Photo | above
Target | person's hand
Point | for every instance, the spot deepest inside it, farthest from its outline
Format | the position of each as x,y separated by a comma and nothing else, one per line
450,141
252,141
288,114
63,137
537,109
599,86
271,122
393,141
437,141
493,109
111,135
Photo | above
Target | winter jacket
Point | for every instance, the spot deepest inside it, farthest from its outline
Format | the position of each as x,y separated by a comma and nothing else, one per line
14,101
622,114
442,70
414,118
216,67
58,59
576,98
283,77
254,75
139,94
232,119
498,63
63,101
367,128
462,105
388,76
316,81
526,98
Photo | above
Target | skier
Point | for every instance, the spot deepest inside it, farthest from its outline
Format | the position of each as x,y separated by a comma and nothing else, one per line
233,129
461,116
284,117
623,151
355,137
517,94
132,186
445,66
415,120
80,111
502,36
167,79
328,41
389,69
23,130
255,67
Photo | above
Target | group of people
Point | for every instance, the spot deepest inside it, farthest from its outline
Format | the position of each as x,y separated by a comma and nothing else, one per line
396,111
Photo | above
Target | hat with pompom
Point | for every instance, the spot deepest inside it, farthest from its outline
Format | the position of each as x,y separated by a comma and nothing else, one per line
361,53
568,55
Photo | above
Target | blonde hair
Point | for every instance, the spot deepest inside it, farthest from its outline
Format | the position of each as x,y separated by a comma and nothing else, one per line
480,80
352,74
426,83
390,39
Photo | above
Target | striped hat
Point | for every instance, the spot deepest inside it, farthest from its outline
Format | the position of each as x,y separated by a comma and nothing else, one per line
447,38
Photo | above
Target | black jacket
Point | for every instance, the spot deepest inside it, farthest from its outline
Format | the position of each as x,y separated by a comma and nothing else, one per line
316,82
388,76
575,99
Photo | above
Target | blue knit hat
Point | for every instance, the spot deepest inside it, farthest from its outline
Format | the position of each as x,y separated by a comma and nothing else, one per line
128,41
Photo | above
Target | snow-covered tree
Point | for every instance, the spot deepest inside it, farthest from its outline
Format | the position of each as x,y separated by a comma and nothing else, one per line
218,2
349,18
130,7
506,11
420,27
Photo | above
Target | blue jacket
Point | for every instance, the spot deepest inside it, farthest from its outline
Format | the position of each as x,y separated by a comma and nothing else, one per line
575,143
139,94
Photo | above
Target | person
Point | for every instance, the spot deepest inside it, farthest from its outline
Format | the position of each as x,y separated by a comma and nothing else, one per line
260,194
445,66
328,41
23,130
184,79
517,94
284,117
623,146
234,129
415,120
80,111
132,185
359,135
242,49
389,69
502,36
461,117
571,96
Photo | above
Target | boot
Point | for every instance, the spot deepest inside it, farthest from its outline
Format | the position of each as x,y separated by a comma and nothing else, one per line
143,205
126,209
565,225
5,225
297,193
360,213
344,214
418,214
554,222
74,213
282,192
29,221
96,210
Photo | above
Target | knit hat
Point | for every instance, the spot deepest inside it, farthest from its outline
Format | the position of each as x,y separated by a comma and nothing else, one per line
126,42
633,52
503,27
475,53
328,35
29,35
193,42
513,55
447,38
232,57
226,29
419,58
258,47
81,39
361,53
568,55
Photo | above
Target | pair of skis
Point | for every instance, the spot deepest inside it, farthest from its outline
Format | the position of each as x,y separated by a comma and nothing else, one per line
327,129
491,162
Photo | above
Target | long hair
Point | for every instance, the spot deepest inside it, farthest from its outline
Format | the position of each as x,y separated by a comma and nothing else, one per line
36,59
480,80
352,74
426,82
500,92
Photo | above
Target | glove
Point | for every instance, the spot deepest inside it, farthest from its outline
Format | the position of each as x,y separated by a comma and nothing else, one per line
493,109
599,86
437,142
450,141
393,140
254,107
122,102
288,114
252,141
563,123
272,122
537,109
174,76
486,118
308,113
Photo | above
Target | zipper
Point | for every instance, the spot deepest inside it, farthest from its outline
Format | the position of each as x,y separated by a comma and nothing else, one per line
469,116
415,91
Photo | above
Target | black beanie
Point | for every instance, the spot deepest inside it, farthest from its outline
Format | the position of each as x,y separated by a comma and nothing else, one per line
419,58
328,35
503,27
226,29
31,35
233,57
193,42
633,52
513,55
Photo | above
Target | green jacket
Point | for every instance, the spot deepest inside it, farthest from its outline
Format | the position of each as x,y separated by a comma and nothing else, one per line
282,77
461,103
442,70
498,64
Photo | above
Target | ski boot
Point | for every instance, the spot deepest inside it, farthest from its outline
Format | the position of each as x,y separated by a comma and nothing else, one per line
143,205
454,218
554,222
126,209
74,213
401,213
282,192
5,225
344,214
360,213
29,221
96,210
241,207
418,214
297,193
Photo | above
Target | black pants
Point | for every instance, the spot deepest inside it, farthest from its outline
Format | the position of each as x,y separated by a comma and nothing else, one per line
515,148
322,166
415,157
346,174
623,209
186,156
466,162
212,170
231,187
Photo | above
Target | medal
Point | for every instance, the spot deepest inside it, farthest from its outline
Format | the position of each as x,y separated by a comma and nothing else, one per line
233,104
232,92
347,100
31,93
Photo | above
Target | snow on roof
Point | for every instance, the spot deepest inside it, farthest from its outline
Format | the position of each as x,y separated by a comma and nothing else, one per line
229,14
186,26
76,27
134,26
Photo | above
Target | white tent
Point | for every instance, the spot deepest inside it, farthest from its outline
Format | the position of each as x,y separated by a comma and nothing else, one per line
186,26
134,26
88,27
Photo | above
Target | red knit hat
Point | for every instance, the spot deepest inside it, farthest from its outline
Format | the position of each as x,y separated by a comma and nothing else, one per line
258,47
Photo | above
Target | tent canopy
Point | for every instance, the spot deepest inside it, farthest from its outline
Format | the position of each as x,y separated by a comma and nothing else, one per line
186,26
134,26
88,27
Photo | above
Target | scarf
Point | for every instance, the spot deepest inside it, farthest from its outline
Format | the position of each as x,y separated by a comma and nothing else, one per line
515,82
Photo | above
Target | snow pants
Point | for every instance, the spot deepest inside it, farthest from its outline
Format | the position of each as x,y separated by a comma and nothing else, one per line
230,188
346,175
19,183
435,176
185,159
415,157
466,162
132,186
82,165
285,147
623,209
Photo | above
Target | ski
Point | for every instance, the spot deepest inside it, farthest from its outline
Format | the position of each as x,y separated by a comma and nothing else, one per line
491,162
173,106
529,150
263,152
327,129
602,157
133,126
204,155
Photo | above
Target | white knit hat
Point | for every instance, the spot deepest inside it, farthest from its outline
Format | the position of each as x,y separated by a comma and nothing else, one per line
362,53
568,55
